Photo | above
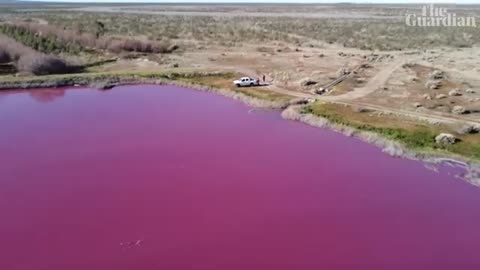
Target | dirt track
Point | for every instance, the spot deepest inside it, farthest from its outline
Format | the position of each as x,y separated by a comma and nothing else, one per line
372,85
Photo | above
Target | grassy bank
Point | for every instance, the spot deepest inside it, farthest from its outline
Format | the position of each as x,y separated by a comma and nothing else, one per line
225,82
101,78
218,82
414,135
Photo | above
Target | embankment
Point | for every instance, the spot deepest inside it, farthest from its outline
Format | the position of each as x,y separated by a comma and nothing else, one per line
110,80
292,109
390,147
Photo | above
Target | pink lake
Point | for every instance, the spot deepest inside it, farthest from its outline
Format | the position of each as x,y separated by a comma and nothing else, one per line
161,177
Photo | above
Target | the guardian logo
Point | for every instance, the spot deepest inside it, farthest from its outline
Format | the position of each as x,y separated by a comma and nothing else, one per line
432,16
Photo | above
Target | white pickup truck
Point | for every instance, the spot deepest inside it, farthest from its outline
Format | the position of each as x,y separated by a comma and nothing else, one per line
246,81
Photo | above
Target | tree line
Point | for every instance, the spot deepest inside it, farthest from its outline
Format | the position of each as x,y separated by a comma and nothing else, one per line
38,41
26,60
50,39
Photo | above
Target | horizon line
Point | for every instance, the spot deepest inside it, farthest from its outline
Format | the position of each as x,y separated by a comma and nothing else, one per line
394,2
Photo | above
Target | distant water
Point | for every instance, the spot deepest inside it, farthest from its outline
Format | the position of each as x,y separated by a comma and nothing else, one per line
161,177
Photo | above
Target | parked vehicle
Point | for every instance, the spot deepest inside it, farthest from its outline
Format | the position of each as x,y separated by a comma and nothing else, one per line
246,81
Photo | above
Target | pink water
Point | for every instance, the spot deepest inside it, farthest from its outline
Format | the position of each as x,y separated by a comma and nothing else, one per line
149,177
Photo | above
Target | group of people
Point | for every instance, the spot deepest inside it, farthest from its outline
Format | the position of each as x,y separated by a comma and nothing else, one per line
263,79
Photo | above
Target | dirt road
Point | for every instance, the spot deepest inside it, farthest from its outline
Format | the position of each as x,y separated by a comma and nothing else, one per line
372,85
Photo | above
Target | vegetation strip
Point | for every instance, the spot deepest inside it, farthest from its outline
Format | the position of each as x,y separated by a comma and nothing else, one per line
416,136
393,145
50,39
109,79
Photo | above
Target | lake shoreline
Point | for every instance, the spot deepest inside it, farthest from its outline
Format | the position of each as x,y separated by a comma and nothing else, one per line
143,169
388,146
290,110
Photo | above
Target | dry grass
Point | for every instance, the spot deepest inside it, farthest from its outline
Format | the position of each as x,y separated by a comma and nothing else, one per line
344,87
225,82
413,134
369,34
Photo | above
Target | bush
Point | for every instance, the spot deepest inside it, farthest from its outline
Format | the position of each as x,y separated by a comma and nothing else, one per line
10,50
133,45
40,64
365,33
4,56
51,39
28,60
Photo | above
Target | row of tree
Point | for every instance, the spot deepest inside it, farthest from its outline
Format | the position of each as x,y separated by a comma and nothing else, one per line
38,41
50,39
27,60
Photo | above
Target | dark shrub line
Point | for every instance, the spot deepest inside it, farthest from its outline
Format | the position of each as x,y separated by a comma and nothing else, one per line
50,39
27,60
